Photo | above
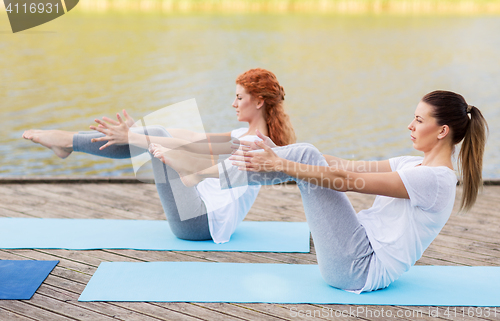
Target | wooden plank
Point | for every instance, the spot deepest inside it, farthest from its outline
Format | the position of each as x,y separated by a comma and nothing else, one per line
36,205
479,217
467,313
154,256
6,315
282,311
96,308
237,311
68,180
456,258
273,310
306,312
431,260
132,204
466,233
467,246
4,212
156,310
65,309
474,221
289,258
32,311
66,206
370,312
269,213
236,257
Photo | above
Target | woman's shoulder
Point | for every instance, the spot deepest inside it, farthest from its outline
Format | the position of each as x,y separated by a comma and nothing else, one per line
429,188
404,161
414,168
241,133
238,132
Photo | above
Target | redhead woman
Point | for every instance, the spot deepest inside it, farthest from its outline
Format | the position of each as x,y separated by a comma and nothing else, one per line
203,211
368,250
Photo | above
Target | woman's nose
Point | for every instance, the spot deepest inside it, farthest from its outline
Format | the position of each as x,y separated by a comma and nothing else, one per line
234,104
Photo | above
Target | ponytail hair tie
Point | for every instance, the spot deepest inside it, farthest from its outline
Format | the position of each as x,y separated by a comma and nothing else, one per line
469,108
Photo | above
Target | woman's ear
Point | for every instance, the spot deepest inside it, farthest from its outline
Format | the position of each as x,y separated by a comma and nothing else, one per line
260,102
445,130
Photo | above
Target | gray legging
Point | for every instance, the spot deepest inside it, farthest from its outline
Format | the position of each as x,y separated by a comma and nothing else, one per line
174,196
342,246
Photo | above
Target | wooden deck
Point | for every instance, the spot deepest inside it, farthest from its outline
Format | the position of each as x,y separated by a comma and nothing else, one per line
472,239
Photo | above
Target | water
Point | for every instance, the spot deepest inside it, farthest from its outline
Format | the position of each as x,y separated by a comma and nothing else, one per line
351,82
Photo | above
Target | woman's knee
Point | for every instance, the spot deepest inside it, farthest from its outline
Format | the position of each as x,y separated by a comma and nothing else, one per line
345,272
309,154
339,279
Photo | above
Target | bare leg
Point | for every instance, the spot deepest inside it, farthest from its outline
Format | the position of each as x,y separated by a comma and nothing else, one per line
59,141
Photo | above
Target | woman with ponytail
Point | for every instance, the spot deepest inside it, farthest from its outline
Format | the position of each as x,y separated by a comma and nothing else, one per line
200,211
468,126
368,250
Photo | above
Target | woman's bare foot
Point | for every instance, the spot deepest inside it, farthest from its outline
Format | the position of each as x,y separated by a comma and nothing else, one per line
179,161
191,180
61,142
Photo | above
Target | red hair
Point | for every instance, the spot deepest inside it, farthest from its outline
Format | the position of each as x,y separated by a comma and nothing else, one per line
261,83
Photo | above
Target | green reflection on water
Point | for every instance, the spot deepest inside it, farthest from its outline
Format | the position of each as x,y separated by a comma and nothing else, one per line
352,82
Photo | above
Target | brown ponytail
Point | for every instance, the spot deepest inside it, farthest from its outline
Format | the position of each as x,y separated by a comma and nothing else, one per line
262,83
468,124
470,158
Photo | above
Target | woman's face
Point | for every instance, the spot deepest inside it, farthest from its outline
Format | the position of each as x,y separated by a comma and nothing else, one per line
425,132
247,107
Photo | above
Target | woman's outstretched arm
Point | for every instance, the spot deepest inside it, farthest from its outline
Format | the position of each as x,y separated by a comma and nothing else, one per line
358,166
384,183
333,161
117,132
195,137
183,134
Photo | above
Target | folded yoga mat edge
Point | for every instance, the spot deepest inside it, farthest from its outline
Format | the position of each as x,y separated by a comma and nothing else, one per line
89,234
286,283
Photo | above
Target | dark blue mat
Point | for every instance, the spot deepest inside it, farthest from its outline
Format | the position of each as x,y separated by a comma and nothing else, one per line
19,280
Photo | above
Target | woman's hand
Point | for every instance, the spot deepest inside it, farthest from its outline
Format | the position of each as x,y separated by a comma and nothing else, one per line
116,132
258,161
247,146
129,120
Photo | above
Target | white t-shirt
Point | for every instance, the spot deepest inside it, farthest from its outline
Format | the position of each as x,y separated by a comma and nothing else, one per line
227,208
399,229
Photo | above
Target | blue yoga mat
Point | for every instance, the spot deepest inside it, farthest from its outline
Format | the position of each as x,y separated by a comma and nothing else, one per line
19,280
285,283
88,234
